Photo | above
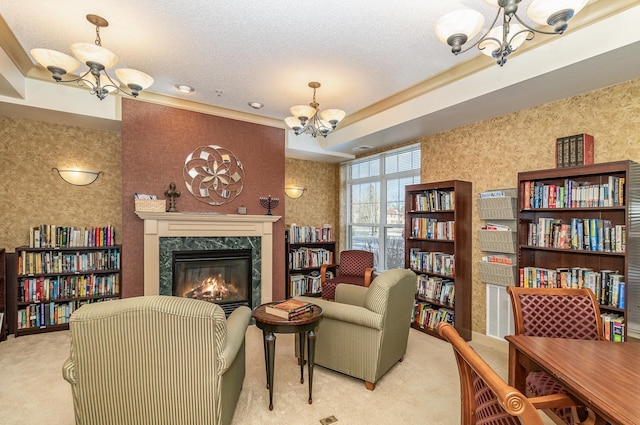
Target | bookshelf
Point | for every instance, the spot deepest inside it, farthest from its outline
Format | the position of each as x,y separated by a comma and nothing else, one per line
438,249
3,294
577,228
308,248
53,282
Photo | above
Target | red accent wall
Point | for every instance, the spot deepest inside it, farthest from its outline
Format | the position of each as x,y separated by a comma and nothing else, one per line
156,140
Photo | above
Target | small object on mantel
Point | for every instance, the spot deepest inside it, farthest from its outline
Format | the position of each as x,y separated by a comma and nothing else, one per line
269,203
172,194
242,210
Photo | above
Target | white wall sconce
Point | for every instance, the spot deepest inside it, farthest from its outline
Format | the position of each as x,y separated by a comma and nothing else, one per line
78,177
294,192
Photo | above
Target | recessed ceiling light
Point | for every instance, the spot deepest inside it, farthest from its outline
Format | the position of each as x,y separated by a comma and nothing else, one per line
256,105
185,88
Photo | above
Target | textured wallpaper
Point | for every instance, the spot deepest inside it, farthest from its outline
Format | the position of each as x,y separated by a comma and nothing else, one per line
319,203
491,153
33,194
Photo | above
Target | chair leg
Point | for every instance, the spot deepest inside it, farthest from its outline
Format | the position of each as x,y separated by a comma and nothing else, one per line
370,385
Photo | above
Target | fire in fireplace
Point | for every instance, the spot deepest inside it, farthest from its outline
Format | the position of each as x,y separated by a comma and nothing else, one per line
219,276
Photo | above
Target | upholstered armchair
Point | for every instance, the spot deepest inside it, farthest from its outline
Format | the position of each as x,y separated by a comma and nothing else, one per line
355,268
485,397
364,332
156,360
555,313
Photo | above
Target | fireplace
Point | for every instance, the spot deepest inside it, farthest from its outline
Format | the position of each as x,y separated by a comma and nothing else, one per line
219,276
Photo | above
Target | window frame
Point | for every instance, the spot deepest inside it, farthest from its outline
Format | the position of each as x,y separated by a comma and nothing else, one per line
382,178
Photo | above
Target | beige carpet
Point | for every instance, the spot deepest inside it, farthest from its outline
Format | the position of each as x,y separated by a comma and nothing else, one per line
423,389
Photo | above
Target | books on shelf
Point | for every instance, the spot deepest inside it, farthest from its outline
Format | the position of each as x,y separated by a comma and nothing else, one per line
305,257
52,236
607,285
434,200
431,228
574,150
432,262
289,309
588,234
305,234
574,194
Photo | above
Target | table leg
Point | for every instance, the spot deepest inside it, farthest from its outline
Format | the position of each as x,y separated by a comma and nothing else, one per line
270,342
301,337
517,372
266,357
311,335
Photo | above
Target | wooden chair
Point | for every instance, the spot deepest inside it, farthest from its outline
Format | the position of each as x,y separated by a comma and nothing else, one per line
355,268
486,399
555,313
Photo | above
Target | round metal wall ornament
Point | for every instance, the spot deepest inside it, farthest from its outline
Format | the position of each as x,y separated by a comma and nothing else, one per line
213,174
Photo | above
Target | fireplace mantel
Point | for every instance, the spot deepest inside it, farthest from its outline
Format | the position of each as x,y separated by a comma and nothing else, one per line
178,224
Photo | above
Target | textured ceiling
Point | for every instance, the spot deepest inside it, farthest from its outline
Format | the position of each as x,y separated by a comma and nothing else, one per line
235,52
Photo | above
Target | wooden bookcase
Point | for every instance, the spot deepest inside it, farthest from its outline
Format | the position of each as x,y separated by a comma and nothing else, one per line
449,243
296,271
3,294
52,282
586,260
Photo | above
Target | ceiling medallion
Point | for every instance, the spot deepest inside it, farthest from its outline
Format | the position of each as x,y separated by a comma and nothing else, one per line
213,175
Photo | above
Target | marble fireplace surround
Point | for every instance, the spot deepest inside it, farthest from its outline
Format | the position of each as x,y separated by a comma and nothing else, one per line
176,224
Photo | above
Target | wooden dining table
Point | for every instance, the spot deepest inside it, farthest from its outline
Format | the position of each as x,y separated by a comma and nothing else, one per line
603,375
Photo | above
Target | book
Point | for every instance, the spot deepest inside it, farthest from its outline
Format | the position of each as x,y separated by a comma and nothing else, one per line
289,309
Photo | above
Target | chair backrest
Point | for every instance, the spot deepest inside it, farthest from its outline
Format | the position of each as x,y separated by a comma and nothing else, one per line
556,312
355,262
486,398
153,357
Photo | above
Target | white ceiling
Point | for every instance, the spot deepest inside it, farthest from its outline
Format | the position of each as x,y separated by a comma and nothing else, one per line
371,56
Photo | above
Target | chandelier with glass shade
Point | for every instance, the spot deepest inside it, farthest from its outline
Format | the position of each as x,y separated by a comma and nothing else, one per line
99,60
459,26
308,119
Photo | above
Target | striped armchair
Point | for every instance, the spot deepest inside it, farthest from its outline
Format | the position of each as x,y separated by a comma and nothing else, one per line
364,332
156,360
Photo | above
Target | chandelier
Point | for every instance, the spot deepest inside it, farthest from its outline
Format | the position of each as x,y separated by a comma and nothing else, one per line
457,27
98,59
305,118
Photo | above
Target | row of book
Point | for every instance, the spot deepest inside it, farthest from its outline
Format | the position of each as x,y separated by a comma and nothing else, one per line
434,200
42,289
574,150
607,285
427,316
432,262
49,314
573,194
613,327
302,284
304,257
436,288
289,309
52,236
67,262
589,234
303,234
431,228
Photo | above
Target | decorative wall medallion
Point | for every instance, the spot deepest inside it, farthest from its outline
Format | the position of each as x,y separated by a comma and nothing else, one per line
213,174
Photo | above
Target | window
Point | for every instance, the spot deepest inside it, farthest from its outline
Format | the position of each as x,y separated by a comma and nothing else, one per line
375,203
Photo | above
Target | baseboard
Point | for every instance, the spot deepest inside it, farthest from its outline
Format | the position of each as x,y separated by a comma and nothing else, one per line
490,341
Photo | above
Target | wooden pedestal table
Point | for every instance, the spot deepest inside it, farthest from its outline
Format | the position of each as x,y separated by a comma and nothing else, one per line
303,325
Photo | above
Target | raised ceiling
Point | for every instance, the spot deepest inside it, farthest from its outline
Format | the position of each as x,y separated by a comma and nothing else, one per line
373,58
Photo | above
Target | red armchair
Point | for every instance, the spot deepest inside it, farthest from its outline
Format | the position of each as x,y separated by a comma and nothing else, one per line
356,268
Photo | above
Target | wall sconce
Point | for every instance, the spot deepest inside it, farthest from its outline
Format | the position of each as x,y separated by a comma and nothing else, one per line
294,192
78,177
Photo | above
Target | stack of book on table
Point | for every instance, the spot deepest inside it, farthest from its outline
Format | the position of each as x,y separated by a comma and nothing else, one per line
289,309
